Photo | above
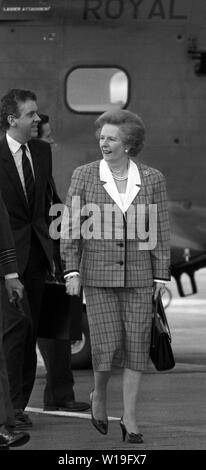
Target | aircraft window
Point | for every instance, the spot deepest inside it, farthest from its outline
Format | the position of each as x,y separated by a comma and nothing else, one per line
94,90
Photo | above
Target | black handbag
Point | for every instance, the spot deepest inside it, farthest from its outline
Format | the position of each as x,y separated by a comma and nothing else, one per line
160,349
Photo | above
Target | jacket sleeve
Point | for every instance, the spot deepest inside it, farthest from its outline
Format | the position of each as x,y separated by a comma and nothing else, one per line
71,239
160,255
49,188
8,263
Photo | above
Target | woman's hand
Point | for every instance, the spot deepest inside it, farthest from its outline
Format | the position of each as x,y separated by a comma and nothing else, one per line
159,288
73,285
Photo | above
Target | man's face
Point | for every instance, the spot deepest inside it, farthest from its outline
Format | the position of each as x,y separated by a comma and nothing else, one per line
25,125
46,133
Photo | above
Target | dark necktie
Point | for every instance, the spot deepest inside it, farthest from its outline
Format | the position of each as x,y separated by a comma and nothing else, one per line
28,178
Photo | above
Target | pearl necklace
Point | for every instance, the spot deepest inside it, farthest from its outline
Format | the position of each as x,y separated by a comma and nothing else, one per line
116,175
119,178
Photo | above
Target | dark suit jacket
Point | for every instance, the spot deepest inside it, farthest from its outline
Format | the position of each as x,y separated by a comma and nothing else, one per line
8,263
13,194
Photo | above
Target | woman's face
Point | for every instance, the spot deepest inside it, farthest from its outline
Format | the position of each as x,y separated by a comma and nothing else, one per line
111,143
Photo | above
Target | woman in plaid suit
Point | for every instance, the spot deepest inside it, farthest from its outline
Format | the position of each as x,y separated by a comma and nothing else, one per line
115,242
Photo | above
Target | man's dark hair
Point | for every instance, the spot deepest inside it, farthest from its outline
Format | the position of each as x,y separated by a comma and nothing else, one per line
44,120
9,104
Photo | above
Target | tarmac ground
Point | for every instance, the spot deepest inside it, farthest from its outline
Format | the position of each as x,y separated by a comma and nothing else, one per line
172,405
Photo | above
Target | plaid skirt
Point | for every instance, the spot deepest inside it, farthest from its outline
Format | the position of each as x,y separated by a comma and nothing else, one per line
120,322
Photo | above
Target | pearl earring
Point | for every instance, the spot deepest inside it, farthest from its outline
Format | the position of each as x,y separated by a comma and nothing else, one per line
126,150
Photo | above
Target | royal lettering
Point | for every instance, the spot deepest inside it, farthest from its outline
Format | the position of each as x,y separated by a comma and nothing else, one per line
134,9
114,9
157,10
91,8
136,4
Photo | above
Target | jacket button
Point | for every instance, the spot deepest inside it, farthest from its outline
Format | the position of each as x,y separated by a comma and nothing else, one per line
120,244
121,263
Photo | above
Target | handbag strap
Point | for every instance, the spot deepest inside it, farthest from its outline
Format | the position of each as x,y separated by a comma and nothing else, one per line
161,311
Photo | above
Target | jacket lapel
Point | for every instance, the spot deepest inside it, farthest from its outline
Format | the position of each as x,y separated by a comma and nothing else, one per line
109,186
133,184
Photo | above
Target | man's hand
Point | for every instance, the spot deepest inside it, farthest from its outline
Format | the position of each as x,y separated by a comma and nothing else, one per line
73,285
14,288
159,288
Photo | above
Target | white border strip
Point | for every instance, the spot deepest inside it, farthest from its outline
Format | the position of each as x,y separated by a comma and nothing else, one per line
68,414
187,301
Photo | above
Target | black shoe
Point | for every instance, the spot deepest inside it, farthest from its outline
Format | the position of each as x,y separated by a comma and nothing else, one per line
130,437
22,420
100,425
3,441
13,439
71,406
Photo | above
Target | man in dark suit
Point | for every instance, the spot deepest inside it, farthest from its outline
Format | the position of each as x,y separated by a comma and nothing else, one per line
8,270
25,172
58,392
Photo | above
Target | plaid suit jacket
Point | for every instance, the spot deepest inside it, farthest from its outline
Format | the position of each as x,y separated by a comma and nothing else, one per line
110,244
